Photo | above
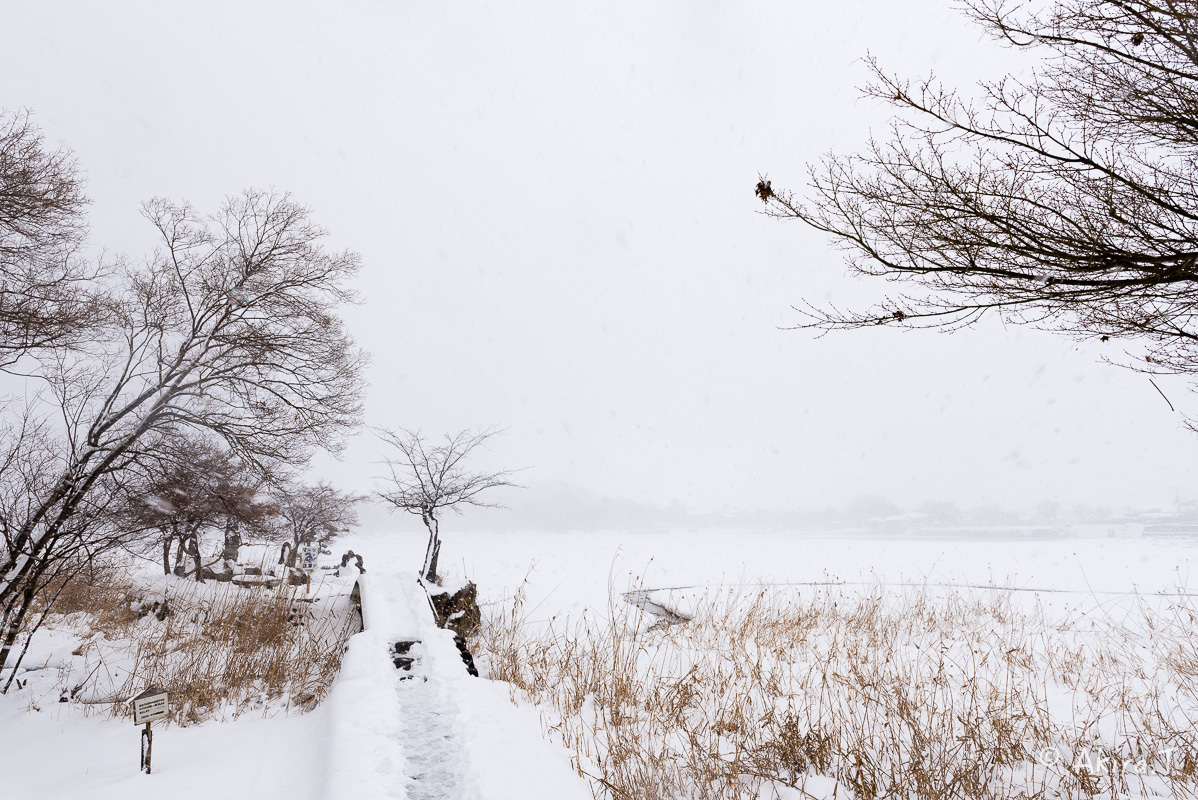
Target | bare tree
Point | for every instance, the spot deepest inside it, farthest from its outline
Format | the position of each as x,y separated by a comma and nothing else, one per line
29,468
229,330
45,296
428,478
313,514
193,486
1067,201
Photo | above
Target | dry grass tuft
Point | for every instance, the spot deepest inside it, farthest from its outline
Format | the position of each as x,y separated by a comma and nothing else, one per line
221,651
873,694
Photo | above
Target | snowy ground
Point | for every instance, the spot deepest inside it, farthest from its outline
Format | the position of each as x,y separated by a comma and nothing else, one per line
437,734
453,736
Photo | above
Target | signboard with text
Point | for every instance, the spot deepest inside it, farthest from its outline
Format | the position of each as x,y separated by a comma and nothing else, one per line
149,706
307,556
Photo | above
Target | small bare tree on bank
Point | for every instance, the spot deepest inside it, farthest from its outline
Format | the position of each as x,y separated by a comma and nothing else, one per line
313,513
194,486
1068,201
427,478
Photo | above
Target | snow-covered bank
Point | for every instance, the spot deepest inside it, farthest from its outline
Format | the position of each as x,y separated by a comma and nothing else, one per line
64,732
56,754
433,732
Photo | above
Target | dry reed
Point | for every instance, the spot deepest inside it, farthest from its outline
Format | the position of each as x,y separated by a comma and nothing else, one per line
834,692
221,651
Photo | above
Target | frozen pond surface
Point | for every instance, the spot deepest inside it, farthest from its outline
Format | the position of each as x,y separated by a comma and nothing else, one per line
569,572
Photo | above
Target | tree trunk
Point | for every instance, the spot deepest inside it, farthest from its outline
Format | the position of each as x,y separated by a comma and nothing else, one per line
232,545
4,628
29,638
195,551
166,554
429,570
432,564
179,553
192,548
15,616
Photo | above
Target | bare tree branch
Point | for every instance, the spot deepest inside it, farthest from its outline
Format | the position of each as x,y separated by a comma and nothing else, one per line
46,293
1068,201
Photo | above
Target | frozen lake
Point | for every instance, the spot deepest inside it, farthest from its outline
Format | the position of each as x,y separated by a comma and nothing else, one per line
569,572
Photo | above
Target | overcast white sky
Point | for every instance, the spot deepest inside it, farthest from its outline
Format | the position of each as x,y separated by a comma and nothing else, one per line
554,206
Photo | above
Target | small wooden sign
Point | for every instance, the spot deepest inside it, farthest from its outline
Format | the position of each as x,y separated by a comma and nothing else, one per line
149,706
308,554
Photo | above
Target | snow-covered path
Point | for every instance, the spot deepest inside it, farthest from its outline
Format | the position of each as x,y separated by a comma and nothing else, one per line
430,731
401,667
429,738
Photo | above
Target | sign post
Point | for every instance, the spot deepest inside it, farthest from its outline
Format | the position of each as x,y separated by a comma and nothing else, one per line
148,706
308,554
